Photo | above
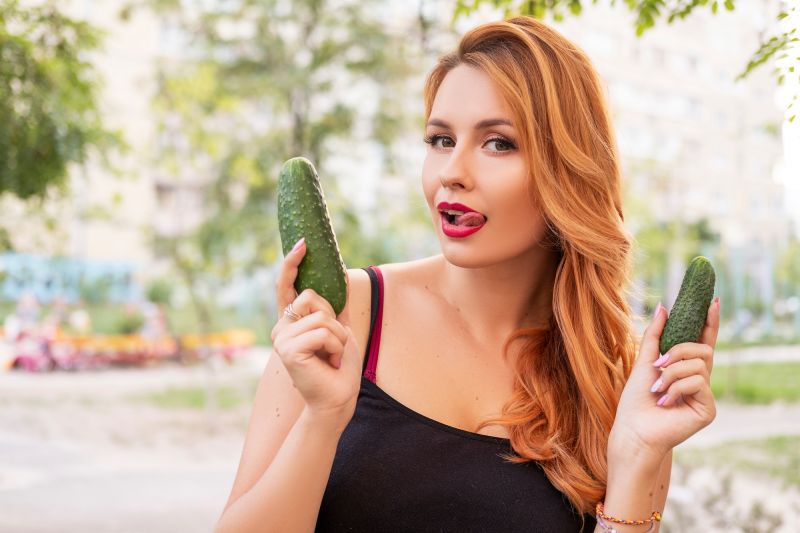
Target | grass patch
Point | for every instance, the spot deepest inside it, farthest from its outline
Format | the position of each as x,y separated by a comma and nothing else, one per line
757,383
195,397
777,457
764,341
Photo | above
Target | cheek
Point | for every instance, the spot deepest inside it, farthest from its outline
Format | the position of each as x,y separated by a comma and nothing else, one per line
429,181
521,214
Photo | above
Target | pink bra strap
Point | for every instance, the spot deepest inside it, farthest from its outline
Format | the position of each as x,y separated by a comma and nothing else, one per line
372,357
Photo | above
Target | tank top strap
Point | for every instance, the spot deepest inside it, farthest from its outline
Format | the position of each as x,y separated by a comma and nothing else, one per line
375,321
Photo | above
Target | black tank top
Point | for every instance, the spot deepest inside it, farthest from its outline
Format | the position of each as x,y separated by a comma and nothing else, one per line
398,470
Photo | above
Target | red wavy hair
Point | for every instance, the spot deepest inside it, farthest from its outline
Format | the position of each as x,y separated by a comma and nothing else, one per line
569,376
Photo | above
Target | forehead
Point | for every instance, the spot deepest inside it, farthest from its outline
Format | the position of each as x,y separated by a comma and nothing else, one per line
467,95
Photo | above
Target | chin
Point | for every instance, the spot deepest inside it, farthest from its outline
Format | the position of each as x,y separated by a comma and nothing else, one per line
467,257
490,253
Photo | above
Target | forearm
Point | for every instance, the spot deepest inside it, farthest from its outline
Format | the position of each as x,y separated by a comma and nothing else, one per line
287,497
629,493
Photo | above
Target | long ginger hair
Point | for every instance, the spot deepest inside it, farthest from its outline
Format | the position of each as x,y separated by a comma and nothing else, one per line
569,376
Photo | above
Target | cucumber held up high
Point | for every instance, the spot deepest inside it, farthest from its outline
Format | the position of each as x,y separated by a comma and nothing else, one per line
302,212
688,314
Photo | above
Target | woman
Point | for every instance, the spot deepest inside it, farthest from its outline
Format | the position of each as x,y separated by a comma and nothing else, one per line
495,386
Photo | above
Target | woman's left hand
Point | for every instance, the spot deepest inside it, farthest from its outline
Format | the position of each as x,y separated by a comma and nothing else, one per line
684,392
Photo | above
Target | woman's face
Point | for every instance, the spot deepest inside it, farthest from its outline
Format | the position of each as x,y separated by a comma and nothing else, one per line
481,167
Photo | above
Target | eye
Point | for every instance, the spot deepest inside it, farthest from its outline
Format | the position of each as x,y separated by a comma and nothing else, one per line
433,139
502,144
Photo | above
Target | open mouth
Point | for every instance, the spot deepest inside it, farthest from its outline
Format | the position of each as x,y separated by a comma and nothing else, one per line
458,218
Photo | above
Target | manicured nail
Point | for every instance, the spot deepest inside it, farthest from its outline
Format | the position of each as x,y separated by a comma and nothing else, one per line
656,385
662,360
658,308
298,244
661,400
716,301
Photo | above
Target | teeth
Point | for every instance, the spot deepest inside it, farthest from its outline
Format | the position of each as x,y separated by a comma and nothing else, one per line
453,212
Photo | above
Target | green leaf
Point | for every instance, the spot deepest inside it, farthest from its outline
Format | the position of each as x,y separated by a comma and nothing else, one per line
782,15
729,5
49,100
714,7
791,119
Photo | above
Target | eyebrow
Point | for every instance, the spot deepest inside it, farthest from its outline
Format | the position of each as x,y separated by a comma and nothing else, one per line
483,124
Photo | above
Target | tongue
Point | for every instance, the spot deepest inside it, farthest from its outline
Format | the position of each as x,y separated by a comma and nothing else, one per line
470,219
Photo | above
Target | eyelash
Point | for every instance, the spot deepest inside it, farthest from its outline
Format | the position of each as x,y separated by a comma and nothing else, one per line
433,138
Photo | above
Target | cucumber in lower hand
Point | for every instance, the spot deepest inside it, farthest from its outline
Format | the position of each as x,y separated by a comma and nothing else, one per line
302,212
688,314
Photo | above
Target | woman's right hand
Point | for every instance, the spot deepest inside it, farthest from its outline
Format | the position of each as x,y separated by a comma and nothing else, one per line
318,350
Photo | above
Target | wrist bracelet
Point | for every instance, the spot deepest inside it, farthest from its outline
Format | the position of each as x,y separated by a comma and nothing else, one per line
609,529
655,517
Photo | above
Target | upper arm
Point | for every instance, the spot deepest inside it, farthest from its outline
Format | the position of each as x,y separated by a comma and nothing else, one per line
277,403
661,487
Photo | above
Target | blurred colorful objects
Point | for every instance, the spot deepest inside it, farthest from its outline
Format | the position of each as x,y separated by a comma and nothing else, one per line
86,352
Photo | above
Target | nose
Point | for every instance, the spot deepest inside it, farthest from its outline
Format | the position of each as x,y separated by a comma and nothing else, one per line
455,173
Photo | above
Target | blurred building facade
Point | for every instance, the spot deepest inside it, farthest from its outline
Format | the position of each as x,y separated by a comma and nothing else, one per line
678,112
694,142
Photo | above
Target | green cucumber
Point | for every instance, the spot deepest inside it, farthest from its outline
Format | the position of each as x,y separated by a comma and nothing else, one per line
302,212
688,314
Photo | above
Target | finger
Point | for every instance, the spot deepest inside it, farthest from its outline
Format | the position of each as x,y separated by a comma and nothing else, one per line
684,369
308,303
317,320
310,345
711,327
284,284
693,387
685,351
648,351
350,355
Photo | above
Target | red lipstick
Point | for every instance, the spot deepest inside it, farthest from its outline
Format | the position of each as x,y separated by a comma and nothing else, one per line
455,230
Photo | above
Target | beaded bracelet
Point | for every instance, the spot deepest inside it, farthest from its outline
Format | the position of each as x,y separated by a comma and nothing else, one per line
655,517
609,529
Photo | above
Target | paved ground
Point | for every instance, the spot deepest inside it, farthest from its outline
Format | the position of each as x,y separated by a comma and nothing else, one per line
77,454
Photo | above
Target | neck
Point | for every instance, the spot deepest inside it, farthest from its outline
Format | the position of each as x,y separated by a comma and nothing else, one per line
491,302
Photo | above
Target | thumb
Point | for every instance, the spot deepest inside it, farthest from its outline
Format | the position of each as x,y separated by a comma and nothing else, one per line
648,352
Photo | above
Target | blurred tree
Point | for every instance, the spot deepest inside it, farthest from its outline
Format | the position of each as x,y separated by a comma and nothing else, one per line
260,82
784,45
655,243
787,275
49,116
662,243
159,291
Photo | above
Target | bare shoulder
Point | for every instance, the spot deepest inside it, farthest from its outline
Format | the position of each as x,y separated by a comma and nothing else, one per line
413,279
406,280
358,305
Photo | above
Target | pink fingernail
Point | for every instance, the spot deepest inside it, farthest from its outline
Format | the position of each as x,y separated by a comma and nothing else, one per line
298,244
661,360
661,400
658,308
